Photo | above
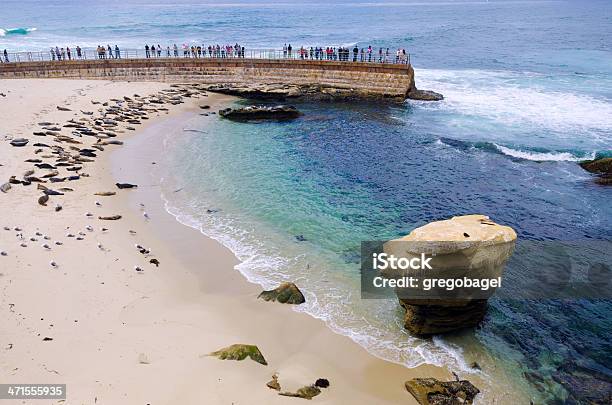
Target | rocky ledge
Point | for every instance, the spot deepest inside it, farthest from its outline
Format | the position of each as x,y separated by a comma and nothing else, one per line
424,95
283,91
602,167
470,246
254,112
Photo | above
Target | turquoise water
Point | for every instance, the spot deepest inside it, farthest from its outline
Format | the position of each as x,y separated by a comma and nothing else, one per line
528,88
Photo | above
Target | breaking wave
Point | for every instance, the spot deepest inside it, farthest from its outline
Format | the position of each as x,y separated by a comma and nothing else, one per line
16,31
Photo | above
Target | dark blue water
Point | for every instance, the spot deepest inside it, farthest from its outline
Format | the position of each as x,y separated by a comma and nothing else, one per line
528,88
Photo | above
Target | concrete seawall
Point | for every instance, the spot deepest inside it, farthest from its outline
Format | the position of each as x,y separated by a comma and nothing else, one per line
360,80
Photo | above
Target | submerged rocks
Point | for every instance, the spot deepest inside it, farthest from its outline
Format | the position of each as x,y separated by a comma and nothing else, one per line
602,167
250,113
286,293
429,391
240,352
470,246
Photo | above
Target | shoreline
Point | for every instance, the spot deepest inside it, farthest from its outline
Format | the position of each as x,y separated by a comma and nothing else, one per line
169,315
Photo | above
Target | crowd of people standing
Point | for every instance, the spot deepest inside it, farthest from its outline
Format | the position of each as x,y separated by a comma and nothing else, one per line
195,51
330,53
77,52
345,54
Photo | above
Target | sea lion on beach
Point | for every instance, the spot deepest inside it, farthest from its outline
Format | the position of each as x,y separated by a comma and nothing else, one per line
51,174
105,193
32,179
19,142
43,199
63,108
110,218
52,192
125,185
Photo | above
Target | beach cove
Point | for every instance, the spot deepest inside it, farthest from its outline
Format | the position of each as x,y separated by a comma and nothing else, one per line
139,336
523,136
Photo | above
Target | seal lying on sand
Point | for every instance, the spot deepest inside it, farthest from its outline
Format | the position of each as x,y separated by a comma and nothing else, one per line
125,185
43,199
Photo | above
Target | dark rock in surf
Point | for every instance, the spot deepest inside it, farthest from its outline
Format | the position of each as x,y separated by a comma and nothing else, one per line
425,95
286,293
601,167
429,391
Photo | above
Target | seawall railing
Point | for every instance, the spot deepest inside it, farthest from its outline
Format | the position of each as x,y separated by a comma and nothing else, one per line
349,56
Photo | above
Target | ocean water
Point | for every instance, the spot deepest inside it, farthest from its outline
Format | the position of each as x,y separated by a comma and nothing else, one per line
528,87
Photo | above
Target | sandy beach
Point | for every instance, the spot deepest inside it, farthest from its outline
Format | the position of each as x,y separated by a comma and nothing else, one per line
120,335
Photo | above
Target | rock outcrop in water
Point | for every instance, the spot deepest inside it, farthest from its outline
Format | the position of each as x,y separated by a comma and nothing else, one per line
286,293
602,167
470,246
429,391
424,95
254,113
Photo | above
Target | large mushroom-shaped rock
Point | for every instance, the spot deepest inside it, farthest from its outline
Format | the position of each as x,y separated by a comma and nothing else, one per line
240,352
286,293
463,249
429,391
602,167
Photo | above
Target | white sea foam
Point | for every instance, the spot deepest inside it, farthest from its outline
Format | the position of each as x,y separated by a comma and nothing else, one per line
517,100
330,300
17,31
543,156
